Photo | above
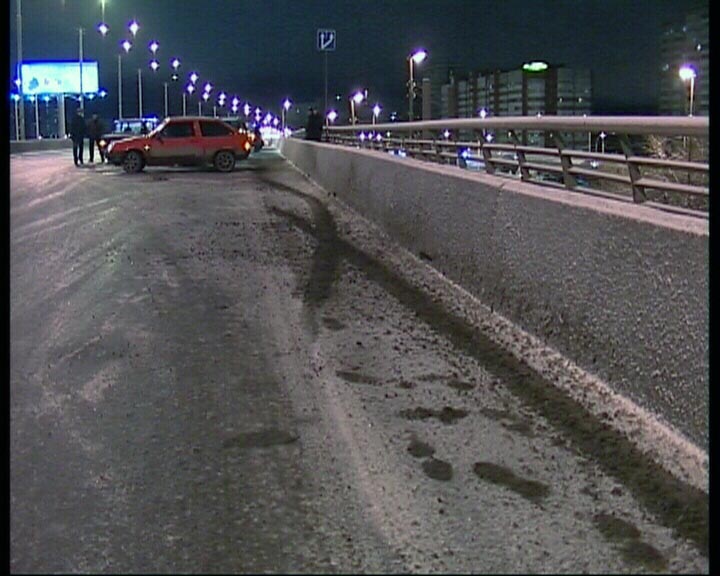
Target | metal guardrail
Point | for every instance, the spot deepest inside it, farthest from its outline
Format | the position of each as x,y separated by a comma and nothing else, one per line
627,176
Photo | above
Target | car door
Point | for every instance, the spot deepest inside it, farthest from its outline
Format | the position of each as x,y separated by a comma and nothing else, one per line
176,143
216,136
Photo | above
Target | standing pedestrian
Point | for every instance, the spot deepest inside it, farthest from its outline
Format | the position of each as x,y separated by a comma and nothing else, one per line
314,126
95,132
77,133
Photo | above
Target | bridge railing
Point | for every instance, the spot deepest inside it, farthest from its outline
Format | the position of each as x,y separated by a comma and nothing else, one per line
659,161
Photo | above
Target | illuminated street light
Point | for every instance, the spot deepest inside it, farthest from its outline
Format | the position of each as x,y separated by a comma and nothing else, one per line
208,87
235,102
154,65
417,57
193,77
376,112
687,73
175,64
205,96
356,99
246,109
285,107
332,116
189,89
154,46
126,45
103,29
483,113
133,27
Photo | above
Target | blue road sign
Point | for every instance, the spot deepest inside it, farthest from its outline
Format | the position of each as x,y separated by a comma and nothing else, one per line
326,40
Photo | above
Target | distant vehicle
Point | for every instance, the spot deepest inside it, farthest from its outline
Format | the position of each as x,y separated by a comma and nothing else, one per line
184,141
125,128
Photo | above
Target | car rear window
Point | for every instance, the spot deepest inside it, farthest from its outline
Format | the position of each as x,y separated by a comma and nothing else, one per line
214,129
178,130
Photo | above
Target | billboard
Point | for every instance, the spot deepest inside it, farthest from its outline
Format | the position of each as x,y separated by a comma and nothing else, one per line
58,77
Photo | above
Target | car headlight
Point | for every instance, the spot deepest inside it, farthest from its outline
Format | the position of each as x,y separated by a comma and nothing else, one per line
103,143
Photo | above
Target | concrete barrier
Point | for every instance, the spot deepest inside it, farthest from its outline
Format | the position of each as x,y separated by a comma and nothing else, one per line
620,289
20,146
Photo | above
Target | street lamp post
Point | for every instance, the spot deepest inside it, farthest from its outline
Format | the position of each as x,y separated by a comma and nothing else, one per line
165,86
140,109
331,117
126,45
189,89
356,99
415,58
376,113
687,73
285,107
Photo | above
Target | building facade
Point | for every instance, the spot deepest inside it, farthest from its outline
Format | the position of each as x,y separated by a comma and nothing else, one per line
550,90
685,43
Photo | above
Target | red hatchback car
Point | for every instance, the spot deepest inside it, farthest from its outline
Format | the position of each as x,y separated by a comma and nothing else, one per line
185,141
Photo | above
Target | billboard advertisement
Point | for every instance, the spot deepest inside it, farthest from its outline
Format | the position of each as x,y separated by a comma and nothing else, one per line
58,77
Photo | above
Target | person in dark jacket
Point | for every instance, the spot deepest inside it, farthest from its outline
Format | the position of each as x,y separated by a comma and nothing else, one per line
94,132
77,133
313,129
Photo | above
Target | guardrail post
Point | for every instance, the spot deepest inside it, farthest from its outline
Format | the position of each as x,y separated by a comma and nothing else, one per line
638,192
524,172
565,161
487,158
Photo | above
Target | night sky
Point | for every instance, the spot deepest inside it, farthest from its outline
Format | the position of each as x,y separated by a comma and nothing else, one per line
264,51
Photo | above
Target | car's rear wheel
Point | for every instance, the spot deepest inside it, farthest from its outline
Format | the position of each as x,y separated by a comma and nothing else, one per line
224,161
133,162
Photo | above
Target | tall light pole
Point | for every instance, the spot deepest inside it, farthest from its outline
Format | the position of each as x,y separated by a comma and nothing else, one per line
140,110
415,58
175,63
206,95
376,112
285,107
189,89
331,117
126,45
356,99
18,16
688,74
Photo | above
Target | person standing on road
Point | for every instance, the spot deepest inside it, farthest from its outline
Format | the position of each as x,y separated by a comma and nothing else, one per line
95,132
77,133
313,129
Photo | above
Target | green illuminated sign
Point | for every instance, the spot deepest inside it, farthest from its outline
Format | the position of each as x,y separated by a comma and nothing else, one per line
535,66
